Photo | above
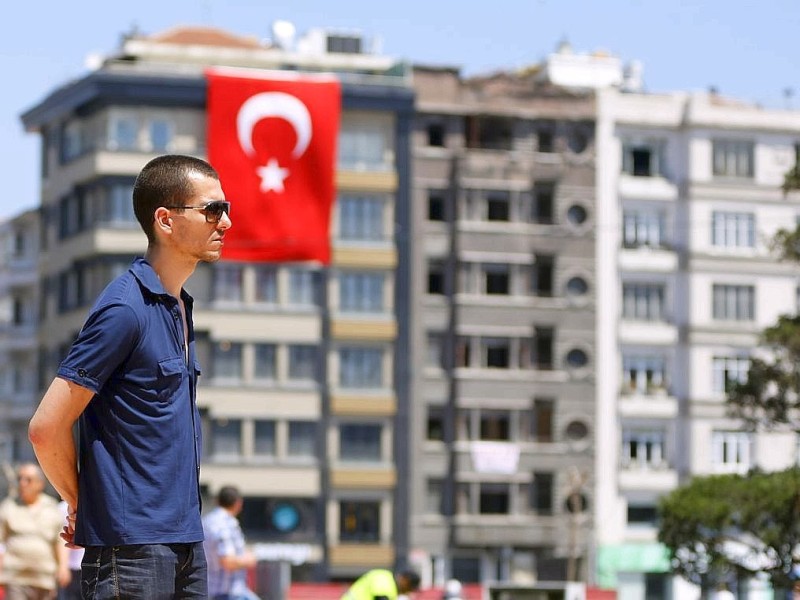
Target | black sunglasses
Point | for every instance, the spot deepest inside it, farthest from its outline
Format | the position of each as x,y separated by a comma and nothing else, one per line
213,210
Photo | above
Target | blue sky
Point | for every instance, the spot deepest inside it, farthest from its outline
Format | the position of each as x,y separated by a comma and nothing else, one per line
747,49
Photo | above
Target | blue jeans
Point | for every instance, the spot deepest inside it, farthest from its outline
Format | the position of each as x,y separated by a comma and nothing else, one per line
146,572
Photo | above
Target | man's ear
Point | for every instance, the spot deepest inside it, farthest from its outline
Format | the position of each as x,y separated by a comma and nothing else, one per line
162,219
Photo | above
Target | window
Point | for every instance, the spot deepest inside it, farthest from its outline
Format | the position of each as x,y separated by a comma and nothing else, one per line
264,438
643,374
346,44
265,367
119,209
733,230
495,353
577,358
436,205
160,133
495,425
643,301
226,436
433,496
434,355
436,278
266,285
435,424
227,282
302,439
733,302
303,287
302,363
361,218
643,228
497,279
542,421
730,451
543,209
577,286
546,137
542,275
643,515
488,133
359,521
498,206
71,141
463,351
361,367
541,494
123,132
643,448
360,442
543,344
227,361
732,158
364,147
577,215
436,132
643,159
494,499
361,292
727,370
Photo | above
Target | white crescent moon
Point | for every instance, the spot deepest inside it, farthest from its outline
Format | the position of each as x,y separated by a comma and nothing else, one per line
273,104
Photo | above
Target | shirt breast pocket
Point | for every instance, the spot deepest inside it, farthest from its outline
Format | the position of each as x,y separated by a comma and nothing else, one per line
171,374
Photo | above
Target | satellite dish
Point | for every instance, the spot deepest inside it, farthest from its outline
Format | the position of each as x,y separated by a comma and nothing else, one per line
283,33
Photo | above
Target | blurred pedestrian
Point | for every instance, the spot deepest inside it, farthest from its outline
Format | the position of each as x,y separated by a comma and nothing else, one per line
35,558
228,558
382,584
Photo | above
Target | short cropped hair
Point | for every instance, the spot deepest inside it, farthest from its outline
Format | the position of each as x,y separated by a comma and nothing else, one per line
412,578
228,495
166,181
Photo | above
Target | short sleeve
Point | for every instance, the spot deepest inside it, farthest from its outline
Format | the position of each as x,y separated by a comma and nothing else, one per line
106,340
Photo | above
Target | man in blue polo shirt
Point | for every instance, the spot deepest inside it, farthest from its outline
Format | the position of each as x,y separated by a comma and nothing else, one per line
130,378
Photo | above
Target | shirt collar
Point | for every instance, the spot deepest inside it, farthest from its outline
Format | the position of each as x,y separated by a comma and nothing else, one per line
148,279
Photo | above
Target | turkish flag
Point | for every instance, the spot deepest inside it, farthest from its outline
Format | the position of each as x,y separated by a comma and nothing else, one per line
272,139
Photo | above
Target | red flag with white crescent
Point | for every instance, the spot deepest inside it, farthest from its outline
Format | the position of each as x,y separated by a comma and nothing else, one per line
272,139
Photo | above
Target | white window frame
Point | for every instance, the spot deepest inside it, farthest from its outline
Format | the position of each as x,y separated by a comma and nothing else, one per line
733,229
733,302
731,451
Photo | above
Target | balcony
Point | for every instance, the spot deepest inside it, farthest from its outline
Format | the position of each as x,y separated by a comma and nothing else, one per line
658,479
647,259
647,188
657,404
504,530
652,333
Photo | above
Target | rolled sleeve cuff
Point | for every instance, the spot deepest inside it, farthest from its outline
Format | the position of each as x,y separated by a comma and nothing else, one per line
80,377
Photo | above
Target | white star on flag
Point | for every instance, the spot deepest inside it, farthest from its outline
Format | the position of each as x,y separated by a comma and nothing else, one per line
272,176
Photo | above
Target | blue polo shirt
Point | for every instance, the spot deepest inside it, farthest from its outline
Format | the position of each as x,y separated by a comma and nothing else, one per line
139,441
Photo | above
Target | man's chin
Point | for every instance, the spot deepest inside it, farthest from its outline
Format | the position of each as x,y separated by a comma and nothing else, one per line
211,257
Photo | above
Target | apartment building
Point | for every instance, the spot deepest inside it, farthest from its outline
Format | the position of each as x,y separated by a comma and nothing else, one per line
19,301
504,302
303,382
688,196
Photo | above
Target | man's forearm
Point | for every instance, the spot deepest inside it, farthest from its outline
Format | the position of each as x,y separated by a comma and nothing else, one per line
50,433
58,459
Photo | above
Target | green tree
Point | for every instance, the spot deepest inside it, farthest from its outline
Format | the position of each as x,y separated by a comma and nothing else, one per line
770,398
732,524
